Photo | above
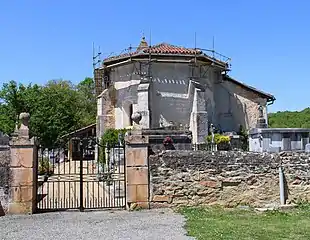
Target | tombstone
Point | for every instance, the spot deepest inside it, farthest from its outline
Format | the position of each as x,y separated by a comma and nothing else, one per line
213,144
260,112
261,121
4,141
307,148
212,133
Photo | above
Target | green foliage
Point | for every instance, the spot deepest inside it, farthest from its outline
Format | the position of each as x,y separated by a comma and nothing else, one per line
56,112
289,119
244,138
15,99
45,167
218,138
109,139
55,109
87,102
222,141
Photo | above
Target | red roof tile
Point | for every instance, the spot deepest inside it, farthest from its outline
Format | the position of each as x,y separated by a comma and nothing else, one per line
165,48
162,48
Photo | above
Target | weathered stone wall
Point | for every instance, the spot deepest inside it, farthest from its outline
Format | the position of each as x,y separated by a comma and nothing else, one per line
5,180
236,105
105,110
250,101
226,178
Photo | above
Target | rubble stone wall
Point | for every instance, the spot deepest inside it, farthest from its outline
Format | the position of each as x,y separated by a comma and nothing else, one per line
5,179
227,178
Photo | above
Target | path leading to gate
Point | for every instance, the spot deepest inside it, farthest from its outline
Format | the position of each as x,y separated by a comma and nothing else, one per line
148,224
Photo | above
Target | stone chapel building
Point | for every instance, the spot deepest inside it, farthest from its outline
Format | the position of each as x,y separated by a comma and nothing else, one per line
164,85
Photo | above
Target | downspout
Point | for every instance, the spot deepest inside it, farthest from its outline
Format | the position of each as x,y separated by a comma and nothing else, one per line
281,183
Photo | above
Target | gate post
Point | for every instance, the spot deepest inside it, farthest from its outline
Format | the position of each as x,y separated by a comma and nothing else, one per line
23,166
137,171
81,177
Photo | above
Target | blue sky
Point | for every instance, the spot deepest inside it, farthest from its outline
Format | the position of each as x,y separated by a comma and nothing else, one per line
268,41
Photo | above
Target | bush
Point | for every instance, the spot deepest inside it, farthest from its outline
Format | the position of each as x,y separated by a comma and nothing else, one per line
45,167
244,138
111,136
109,139
222,141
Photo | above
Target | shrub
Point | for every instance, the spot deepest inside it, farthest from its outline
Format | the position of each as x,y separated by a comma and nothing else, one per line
109,139
244,138
222,141
45,167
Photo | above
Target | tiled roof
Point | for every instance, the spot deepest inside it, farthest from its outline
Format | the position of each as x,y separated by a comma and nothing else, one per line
269,96
162,48
165,48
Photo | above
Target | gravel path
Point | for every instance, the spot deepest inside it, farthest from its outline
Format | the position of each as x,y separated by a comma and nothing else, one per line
106,225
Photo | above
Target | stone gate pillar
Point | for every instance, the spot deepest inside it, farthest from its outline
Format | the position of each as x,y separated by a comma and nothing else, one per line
137,171
23,170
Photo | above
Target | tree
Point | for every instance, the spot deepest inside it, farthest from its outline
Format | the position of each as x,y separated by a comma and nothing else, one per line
289,119
56,108
88,103
56,112
14,100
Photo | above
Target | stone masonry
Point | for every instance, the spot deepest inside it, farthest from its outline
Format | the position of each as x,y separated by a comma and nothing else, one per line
105,114
5,181
251,101
137,174
227,178
23,167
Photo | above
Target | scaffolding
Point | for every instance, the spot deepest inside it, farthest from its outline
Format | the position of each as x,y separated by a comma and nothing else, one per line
200,63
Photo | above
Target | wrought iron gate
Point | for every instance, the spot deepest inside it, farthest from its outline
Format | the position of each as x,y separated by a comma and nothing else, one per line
81,175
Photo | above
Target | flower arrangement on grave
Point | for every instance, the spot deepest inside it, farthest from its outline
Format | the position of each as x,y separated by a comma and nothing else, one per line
168,141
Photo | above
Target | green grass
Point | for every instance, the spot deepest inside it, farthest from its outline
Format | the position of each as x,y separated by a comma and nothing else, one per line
218,223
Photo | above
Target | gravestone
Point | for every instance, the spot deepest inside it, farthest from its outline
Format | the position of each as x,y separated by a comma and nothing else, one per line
307,148
261,121
4,142
5,180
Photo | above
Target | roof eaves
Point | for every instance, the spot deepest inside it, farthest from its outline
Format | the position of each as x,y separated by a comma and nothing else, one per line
79,130
202,55
262,93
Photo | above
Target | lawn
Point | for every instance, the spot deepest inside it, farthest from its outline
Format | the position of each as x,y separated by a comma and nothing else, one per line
219,223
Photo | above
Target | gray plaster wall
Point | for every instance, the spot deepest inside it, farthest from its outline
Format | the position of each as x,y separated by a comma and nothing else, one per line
172,92
5,178
171,99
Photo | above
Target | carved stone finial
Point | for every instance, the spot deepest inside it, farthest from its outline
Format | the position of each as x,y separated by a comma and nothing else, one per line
136,117
24,117
143,44
23,131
